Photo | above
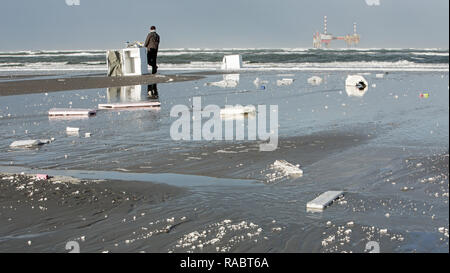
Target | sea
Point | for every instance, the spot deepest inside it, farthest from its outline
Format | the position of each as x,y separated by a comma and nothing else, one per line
294,59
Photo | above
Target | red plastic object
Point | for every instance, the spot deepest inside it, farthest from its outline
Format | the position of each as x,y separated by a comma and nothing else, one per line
42,176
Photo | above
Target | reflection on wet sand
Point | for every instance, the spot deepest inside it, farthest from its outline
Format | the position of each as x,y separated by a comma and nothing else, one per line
124,93
152,91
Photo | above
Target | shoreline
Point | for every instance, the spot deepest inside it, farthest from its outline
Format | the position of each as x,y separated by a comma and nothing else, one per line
22,87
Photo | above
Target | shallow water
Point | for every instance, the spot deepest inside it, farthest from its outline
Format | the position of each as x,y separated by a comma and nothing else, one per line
362,145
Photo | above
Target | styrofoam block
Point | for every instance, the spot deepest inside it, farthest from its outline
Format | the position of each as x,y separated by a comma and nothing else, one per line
72,130
288,168
65,112
238,110
356,86
129,105
134,61
285,82
324,200
355,80
232,62
25,143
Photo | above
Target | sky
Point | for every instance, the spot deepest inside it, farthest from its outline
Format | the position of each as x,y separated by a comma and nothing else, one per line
108,24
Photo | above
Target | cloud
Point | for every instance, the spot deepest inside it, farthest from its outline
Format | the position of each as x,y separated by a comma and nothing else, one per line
373,2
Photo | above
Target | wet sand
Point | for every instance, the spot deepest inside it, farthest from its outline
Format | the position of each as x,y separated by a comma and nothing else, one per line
387,150
125,216
245,160
89,82
40,216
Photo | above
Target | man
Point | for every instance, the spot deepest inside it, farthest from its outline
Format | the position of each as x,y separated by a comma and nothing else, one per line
152,44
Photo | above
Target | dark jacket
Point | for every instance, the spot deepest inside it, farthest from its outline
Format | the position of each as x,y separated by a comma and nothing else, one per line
152,41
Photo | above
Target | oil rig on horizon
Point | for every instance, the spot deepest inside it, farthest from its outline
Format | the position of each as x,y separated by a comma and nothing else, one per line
325,38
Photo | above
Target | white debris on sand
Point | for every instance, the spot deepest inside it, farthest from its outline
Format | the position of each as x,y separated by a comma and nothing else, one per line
341,238
324,200
221,236
282,169
258,82
72,130
287,168
29,143
356,86
229,81
284,82
238,110
315,80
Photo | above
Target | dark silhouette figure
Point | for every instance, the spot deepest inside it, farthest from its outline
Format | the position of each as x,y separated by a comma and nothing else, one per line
152,45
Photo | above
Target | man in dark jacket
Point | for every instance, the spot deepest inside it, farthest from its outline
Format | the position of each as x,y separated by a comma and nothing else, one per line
152,45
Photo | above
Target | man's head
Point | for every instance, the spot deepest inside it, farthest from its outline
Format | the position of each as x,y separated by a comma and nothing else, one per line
152,28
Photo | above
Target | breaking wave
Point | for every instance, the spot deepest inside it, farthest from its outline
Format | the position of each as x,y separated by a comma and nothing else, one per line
431,59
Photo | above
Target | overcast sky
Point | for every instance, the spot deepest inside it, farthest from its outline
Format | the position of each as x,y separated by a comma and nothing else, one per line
106,24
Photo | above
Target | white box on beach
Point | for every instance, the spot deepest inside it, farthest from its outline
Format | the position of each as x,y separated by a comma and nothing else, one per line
127,62
25,143
232,62
134,61
61,112
324,200
129,105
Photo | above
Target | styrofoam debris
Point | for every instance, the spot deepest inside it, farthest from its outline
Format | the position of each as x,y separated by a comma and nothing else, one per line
324,200
26,143
42,176
315,80
224,84
238,110
129,105
287,168
60,112
285,82
72,130
356,86
232,62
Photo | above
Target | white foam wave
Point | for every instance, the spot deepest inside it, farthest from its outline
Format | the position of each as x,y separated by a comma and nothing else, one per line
211,66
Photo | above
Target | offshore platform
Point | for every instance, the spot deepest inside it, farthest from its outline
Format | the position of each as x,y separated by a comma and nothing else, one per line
325,38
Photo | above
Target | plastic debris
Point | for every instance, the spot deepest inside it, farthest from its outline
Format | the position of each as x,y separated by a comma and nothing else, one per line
229,81
287,168
356,86
129,105
285,82
60,112
87,135
379,76
28,143
72,130
238,110
232,62
324,200
424,95
315,80
42,177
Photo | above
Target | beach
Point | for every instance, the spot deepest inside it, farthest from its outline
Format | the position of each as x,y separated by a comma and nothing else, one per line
129,187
